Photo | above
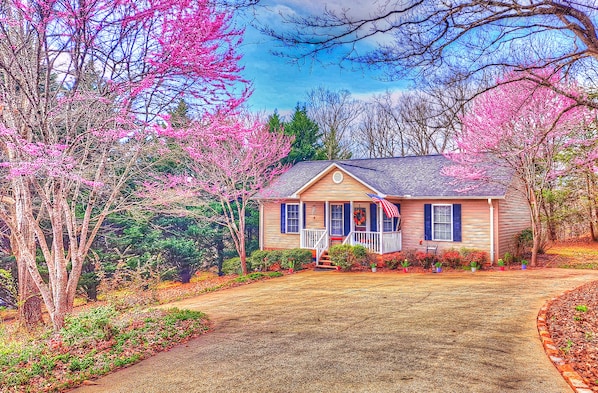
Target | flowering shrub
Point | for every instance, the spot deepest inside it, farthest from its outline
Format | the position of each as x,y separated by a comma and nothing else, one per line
393,260
347,256
425,259
477,257
451,258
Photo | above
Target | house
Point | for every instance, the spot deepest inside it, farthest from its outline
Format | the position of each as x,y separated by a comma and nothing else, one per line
316,204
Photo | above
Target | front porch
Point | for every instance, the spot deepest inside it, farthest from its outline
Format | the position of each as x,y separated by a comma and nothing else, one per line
353,223
379,243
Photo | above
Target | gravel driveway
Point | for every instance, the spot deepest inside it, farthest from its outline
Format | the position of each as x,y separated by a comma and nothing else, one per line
365,332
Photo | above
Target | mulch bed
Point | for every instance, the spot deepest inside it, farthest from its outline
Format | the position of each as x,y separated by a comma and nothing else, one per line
572,321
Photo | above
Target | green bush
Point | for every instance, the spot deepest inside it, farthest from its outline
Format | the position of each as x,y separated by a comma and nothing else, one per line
347,256
296,258
275,256
260,260
233,266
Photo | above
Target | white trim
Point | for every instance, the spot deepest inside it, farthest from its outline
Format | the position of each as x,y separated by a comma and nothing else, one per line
286,212
491,230
327,170
451,223
301,219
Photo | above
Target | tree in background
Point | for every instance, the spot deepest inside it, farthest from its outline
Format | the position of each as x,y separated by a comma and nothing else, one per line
80,87
460,40
305,133
228,160
335,114
522,128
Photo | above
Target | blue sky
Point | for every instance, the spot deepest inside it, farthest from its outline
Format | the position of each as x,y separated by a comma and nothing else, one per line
278,84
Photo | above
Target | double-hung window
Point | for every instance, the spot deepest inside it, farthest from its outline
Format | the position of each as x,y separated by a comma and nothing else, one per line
442,222
387,223
292,218
336,220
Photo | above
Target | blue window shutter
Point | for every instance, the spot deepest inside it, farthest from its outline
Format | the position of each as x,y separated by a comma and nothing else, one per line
304,216
347,219
427,221
395,221
457,222
283,218
373,217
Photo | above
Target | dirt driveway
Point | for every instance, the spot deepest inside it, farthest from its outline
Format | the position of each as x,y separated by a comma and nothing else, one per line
365,332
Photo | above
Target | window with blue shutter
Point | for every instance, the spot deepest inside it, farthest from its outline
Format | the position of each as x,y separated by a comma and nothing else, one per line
395,221
457,222
427,221
283,218
336,220
347,219
373,217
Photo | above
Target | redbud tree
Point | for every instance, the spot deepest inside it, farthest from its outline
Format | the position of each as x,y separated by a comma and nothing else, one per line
81,84
227,159
520,127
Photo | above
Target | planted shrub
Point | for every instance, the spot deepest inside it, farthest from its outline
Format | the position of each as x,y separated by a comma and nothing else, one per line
393,260
233,266
296,258
425,259
477,257
451,258
260,260
347,256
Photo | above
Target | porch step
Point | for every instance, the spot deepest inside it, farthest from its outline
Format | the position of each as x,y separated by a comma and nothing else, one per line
325,262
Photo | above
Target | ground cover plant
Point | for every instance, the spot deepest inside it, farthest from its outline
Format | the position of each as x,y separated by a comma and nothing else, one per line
91,344
104,336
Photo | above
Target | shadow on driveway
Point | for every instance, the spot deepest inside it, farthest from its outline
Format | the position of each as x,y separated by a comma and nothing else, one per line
365,332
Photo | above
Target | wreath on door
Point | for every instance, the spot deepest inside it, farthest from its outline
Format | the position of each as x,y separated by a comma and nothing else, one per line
359,217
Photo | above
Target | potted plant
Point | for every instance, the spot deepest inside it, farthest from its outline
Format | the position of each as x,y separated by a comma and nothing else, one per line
501,264
474,266
523,264
438,267
373,266
405,265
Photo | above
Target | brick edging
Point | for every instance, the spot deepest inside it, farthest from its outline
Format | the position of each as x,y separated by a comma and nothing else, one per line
574,380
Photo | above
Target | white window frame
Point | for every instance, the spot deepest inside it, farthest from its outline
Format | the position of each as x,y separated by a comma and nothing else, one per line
451,223
288,219
387,220
342,219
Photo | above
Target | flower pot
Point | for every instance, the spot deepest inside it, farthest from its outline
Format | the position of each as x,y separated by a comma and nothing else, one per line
473,269
291,270
438,270
338,268
405,270
502,268
373,269
523,267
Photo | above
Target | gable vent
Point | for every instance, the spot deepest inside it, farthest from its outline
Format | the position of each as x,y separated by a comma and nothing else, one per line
337,177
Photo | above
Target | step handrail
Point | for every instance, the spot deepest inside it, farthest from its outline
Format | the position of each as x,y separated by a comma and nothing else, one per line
321,246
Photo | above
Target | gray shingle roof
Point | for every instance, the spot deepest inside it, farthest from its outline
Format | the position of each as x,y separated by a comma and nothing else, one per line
415,176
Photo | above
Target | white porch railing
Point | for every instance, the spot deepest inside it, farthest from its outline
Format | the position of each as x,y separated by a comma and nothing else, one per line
311,237
392,241
318,239
388,242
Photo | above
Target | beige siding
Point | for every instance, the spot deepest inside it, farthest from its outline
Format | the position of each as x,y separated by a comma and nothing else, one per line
272,237
314,212
327,190
475,225
513,217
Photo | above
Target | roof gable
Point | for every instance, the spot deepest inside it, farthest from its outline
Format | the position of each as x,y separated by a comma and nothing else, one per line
413,176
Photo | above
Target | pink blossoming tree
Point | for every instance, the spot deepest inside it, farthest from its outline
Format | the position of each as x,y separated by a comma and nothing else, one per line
227,159
81,84
520,127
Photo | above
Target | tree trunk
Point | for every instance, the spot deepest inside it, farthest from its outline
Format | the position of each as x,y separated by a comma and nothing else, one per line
30,302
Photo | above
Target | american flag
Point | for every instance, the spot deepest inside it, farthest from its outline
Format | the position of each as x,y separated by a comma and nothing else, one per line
389,209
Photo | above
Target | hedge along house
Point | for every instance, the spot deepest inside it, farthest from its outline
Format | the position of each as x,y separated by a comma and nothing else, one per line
316,204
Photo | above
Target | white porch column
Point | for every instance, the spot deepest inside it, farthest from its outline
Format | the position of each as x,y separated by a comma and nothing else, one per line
491,231
381,227
327,216
261,229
